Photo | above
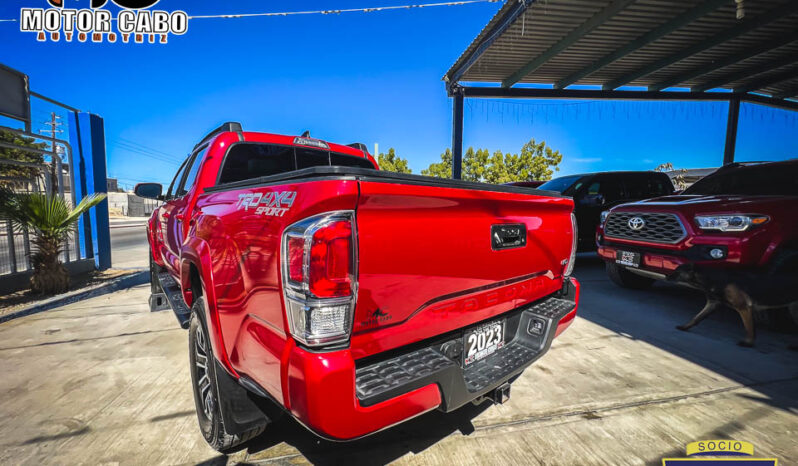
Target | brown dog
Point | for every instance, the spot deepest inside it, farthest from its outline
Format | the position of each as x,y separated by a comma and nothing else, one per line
745,292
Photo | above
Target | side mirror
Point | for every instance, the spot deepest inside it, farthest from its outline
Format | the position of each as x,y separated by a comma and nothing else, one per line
592,200
149,190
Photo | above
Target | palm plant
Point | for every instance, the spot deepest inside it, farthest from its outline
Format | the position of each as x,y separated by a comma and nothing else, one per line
49,218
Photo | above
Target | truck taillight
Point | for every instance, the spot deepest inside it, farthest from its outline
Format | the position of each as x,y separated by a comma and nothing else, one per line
569,267
296,254
330,268
319,268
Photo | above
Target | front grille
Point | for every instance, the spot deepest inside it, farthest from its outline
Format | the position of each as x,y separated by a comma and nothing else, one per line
658,228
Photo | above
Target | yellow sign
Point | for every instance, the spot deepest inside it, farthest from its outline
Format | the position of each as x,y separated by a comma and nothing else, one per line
714,452
720,446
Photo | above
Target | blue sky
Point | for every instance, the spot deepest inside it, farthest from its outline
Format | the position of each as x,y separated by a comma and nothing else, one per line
372,77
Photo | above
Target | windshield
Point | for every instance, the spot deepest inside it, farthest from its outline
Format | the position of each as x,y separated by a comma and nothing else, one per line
764,179
560,184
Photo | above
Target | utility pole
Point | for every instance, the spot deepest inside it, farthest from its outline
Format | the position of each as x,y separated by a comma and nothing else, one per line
55,165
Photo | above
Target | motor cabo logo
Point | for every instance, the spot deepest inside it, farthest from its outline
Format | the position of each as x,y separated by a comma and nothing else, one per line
134,22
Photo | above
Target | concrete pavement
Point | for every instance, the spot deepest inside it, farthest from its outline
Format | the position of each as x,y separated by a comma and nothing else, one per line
129,242
105,381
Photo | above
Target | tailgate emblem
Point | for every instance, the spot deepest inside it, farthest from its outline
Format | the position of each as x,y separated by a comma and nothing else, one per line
637,223
506,236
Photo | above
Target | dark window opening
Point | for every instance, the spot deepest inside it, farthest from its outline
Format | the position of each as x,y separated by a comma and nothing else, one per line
645,187
176,180
247,161
765,179
560,184
191,177
307,158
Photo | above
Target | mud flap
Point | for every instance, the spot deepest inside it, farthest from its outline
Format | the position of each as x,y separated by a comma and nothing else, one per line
238,406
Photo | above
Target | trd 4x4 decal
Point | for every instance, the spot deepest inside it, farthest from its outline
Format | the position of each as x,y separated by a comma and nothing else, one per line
275,204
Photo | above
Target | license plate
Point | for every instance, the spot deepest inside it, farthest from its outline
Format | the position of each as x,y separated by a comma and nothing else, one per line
483,341
628,258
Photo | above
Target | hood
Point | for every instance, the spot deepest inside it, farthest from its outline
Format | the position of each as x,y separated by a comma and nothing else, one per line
722,202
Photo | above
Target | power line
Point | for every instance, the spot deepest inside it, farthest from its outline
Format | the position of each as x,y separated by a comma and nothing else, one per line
344,10
331,11
142,151
134,143
154,157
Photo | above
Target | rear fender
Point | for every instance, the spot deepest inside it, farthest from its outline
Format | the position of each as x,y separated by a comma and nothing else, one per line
196,252
152,239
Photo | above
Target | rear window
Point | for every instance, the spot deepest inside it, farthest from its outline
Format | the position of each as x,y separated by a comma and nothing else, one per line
246,161
647,186
765,179
560,184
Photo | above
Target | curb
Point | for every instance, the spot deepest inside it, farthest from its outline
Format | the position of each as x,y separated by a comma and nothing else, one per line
128,281
127,225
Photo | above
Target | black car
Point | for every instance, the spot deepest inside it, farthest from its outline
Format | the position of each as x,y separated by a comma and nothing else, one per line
594,193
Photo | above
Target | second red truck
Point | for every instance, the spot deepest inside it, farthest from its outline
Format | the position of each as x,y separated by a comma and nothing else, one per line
354,299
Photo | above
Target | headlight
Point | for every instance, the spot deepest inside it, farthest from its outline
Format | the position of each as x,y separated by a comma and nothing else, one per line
603,217
729,222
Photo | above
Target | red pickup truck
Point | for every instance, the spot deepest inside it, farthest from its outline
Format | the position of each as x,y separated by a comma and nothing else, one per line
740,216
349,297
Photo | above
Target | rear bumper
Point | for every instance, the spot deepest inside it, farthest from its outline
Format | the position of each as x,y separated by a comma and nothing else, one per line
340,398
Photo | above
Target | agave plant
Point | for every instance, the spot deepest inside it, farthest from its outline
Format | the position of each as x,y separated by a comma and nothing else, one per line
49,218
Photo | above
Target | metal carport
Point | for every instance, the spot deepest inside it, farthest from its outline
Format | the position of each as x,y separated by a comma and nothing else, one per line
719,50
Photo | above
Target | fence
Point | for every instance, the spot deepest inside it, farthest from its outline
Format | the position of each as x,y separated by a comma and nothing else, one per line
130,205
54,177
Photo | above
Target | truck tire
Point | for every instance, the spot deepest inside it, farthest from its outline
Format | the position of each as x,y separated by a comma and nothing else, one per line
783,263
626,279
155,269
203,383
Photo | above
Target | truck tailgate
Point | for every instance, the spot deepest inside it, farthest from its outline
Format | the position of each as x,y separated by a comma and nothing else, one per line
437,256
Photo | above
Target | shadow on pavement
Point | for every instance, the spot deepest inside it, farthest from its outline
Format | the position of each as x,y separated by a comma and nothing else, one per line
652,315
412,436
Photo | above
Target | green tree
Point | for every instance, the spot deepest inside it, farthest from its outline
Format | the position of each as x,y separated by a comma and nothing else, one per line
442,169
19,155
392,162
50,218
476,164
535,162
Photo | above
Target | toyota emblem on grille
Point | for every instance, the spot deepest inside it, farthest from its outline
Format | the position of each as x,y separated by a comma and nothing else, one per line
637,223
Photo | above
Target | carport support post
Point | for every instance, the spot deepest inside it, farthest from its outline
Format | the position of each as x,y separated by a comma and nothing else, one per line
87,137
731,130
457,133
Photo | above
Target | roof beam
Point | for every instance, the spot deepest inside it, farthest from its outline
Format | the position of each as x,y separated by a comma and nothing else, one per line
768,81
742,74
596,94
790,92
598,19
498,30
676,23
736,31
726,61
592,94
